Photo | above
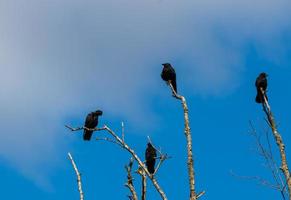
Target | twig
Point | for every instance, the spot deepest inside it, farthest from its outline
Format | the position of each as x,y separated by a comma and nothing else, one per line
190,162
78,176
269,160
162,159
109,140
258,179
129,183
263,152
84,128
74,129
200,194
279,141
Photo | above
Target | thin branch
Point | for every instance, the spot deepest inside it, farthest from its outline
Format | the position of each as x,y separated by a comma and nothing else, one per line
187,131
129,183
259,180
270,161
143,183
267,156
159,165
279,141
74,129
200,194
109,140
162,158
149,140
78,176
84,128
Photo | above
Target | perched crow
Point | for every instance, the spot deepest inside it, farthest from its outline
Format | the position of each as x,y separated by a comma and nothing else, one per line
150,156
91,122
169,75
261,82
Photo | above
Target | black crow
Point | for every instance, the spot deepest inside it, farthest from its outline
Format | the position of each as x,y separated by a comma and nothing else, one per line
261,82
150,156
91,122
169,75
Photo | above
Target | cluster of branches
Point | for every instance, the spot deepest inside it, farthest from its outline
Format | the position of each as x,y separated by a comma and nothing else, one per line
280,172
142,169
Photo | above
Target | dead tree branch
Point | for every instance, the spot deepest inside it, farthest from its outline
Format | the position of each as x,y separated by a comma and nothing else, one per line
162,159
190,162
131,151
143,183
78,176
268,156
129,183
109,140
84,128
258,179
278,139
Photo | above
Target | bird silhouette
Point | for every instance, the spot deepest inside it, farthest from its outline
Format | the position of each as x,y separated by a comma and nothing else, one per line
91,122
169,75
150,156
261,83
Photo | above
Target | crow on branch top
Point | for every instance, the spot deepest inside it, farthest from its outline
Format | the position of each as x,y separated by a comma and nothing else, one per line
150,156
91,122
169,75
261,83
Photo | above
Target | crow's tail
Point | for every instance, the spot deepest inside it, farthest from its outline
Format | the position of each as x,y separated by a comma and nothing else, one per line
259,97
87,135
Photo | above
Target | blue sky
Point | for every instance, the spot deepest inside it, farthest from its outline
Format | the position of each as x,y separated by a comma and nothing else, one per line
61,59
